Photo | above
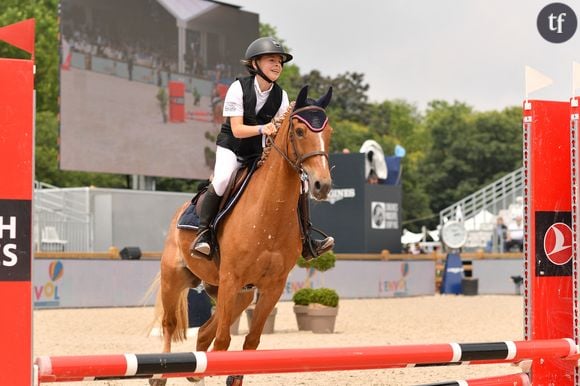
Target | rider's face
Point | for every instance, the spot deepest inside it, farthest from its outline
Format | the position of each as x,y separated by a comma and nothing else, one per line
271,66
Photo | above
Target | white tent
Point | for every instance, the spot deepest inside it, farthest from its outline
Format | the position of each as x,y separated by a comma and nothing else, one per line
409,237
435,234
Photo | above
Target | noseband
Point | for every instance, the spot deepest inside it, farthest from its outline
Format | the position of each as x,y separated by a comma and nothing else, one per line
300,158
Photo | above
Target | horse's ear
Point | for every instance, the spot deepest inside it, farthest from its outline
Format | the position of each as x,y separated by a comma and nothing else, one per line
301,99
325,100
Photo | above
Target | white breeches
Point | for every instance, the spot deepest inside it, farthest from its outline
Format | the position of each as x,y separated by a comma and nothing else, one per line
226,164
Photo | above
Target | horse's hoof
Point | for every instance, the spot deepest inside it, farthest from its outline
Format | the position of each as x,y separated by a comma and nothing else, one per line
234,380
194,379
157,382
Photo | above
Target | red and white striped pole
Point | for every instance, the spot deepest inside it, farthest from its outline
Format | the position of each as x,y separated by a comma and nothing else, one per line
502,380
100,367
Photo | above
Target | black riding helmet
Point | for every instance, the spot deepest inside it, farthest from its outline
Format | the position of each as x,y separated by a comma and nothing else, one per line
264,46
267,45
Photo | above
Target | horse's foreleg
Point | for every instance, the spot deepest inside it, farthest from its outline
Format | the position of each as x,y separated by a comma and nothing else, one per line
207,332
265,304
230,304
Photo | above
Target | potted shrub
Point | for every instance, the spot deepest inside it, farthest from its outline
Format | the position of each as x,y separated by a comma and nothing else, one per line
308,299
322,310
322,263
301,299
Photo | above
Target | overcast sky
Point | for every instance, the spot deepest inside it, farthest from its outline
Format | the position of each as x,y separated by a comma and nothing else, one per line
473,51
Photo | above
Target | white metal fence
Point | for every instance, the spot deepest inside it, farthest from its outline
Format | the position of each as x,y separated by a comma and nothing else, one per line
62,219
502,196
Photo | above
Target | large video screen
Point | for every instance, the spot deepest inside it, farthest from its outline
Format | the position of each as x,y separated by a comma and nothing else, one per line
142,83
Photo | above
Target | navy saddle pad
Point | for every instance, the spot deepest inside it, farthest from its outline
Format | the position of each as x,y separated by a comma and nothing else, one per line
189,218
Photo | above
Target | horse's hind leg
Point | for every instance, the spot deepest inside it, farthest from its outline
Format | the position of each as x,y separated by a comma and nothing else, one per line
175,284
206,333
173,297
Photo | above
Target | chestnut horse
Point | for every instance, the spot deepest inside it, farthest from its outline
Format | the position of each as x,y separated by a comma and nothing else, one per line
260,239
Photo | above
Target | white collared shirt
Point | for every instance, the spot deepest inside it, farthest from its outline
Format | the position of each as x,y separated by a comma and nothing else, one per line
234,102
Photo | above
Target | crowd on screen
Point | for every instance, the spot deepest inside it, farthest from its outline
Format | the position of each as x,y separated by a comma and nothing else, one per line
142,52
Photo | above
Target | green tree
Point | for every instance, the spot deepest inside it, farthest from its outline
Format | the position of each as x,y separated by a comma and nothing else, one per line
290,80
468,150
176,184
498,137
349,99
46,150
348,135
445,167
416,200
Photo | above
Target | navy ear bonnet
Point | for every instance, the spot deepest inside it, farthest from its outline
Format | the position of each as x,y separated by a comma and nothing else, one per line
314,118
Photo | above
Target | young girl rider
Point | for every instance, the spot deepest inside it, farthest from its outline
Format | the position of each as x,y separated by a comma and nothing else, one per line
249,107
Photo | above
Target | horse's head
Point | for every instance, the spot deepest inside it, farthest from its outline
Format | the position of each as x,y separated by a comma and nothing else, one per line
309,134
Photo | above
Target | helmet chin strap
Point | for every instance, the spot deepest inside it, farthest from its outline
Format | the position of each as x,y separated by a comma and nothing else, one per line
261,73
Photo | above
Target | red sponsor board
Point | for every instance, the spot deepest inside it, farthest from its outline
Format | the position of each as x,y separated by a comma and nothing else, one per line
16,187
548,265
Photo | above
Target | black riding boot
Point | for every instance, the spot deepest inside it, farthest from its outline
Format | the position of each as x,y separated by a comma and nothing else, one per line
209,208
311,248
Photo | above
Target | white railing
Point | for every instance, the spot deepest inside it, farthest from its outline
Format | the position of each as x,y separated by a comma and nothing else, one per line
502,195
62,219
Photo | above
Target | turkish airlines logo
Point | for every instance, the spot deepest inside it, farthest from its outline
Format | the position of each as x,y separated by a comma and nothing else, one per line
552,246
558,243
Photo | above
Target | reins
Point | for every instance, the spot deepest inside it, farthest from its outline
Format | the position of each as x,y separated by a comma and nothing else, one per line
300,158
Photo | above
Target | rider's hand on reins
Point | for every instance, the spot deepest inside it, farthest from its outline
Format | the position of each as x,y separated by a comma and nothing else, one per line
269,129
278,121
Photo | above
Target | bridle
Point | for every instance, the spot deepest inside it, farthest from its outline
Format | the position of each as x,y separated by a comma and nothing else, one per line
300,158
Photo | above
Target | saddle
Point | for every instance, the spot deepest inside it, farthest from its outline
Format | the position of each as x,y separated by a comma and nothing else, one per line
190,217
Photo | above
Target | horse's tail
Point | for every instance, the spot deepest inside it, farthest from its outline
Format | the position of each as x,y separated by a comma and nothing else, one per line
180,333
182,320
154,287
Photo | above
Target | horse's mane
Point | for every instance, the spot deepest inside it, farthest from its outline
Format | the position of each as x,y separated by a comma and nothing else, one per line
278,123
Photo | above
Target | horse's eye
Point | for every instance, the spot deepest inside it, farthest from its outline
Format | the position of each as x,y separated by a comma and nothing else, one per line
300,132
